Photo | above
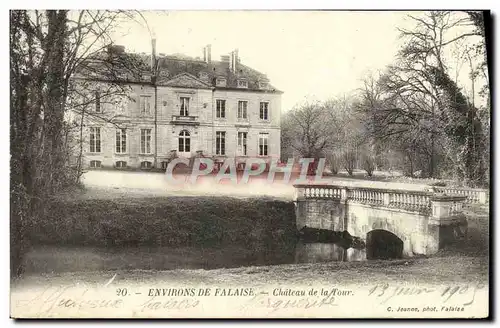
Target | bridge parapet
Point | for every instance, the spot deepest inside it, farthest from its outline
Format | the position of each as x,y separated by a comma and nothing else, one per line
472,196
418,201
447,206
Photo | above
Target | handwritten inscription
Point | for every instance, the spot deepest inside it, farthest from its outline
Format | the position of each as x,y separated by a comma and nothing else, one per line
51,299
464,294
274,304
179,301
296,298
169,304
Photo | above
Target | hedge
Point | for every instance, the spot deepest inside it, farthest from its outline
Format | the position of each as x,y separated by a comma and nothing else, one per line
167,221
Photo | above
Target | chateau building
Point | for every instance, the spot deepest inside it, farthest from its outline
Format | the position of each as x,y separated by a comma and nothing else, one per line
183,107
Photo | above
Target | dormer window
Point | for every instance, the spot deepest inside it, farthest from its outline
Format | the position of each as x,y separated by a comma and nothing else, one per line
204,76
221,82
242,84
263,85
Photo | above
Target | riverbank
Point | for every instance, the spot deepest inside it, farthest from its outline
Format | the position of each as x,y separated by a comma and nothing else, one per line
439,269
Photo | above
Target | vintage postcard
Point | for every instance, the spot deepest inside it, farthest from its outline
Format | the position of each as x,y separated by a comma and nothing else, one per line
249,164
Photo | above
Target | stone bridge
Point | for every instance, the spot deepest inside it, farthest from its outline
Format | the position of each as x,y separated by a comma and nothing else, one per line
422,222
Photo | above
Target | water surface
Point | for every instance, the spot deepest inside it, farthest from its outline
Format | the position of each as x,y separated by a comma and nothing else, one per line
47,259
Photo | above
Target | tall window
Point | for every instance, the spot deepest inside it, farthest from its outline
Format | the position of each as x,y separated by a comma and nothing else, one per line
242,109
220,143
145,141
95,140
242,143
121,141
184,106
220,108
263,144
264,111
145,103
184,141
97,102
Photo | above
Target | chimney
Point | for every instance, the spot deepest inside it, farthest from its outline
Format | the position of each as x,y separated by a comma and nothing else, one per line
207,53
153,54
234,60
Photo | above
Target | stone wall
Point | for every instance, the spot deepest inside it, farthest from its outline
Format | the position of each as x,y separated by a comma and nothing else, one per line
321,214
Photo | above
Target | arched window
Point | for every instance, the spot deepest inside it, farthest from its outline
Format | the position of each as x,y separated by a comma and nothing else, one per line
184,141
95,164
146,165
121,164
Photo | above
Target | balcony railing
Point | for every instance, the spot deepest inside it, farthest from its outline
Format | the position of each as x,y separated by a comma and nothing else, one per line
182,119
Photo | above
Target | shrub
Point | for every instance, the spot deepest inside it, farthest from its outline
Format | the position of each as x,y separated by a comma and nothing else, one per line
369,165
334,163
349,161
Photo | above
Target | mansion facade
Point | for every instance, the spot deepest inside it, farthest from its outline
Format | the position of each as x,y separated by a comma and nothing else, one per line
189,107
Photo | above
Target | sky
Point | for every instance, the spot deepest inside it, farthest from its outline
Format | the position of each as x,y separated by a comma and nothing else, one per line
306,54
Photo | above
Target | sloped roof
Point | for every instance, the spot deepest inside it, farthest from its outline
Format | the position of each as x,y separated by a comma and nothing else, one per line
184,80
175,65
133,67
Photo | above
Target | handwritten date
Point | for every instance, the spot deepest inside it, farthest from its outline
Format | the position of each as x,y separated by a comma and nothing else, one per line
386,292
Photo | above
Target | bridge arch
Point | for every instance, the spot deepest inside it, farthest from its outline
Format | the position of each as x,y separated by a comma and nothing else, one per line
383,244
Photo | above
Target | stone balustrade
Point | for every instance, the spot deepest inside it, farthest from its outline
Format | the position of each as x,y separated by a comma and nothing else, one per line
474,196
419,201
320,191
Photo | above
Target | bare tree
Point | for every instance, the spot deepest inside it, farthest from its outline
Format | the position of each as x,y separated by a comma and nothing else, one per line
457,114
334,163
351,135
419,109
307,129
47,49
